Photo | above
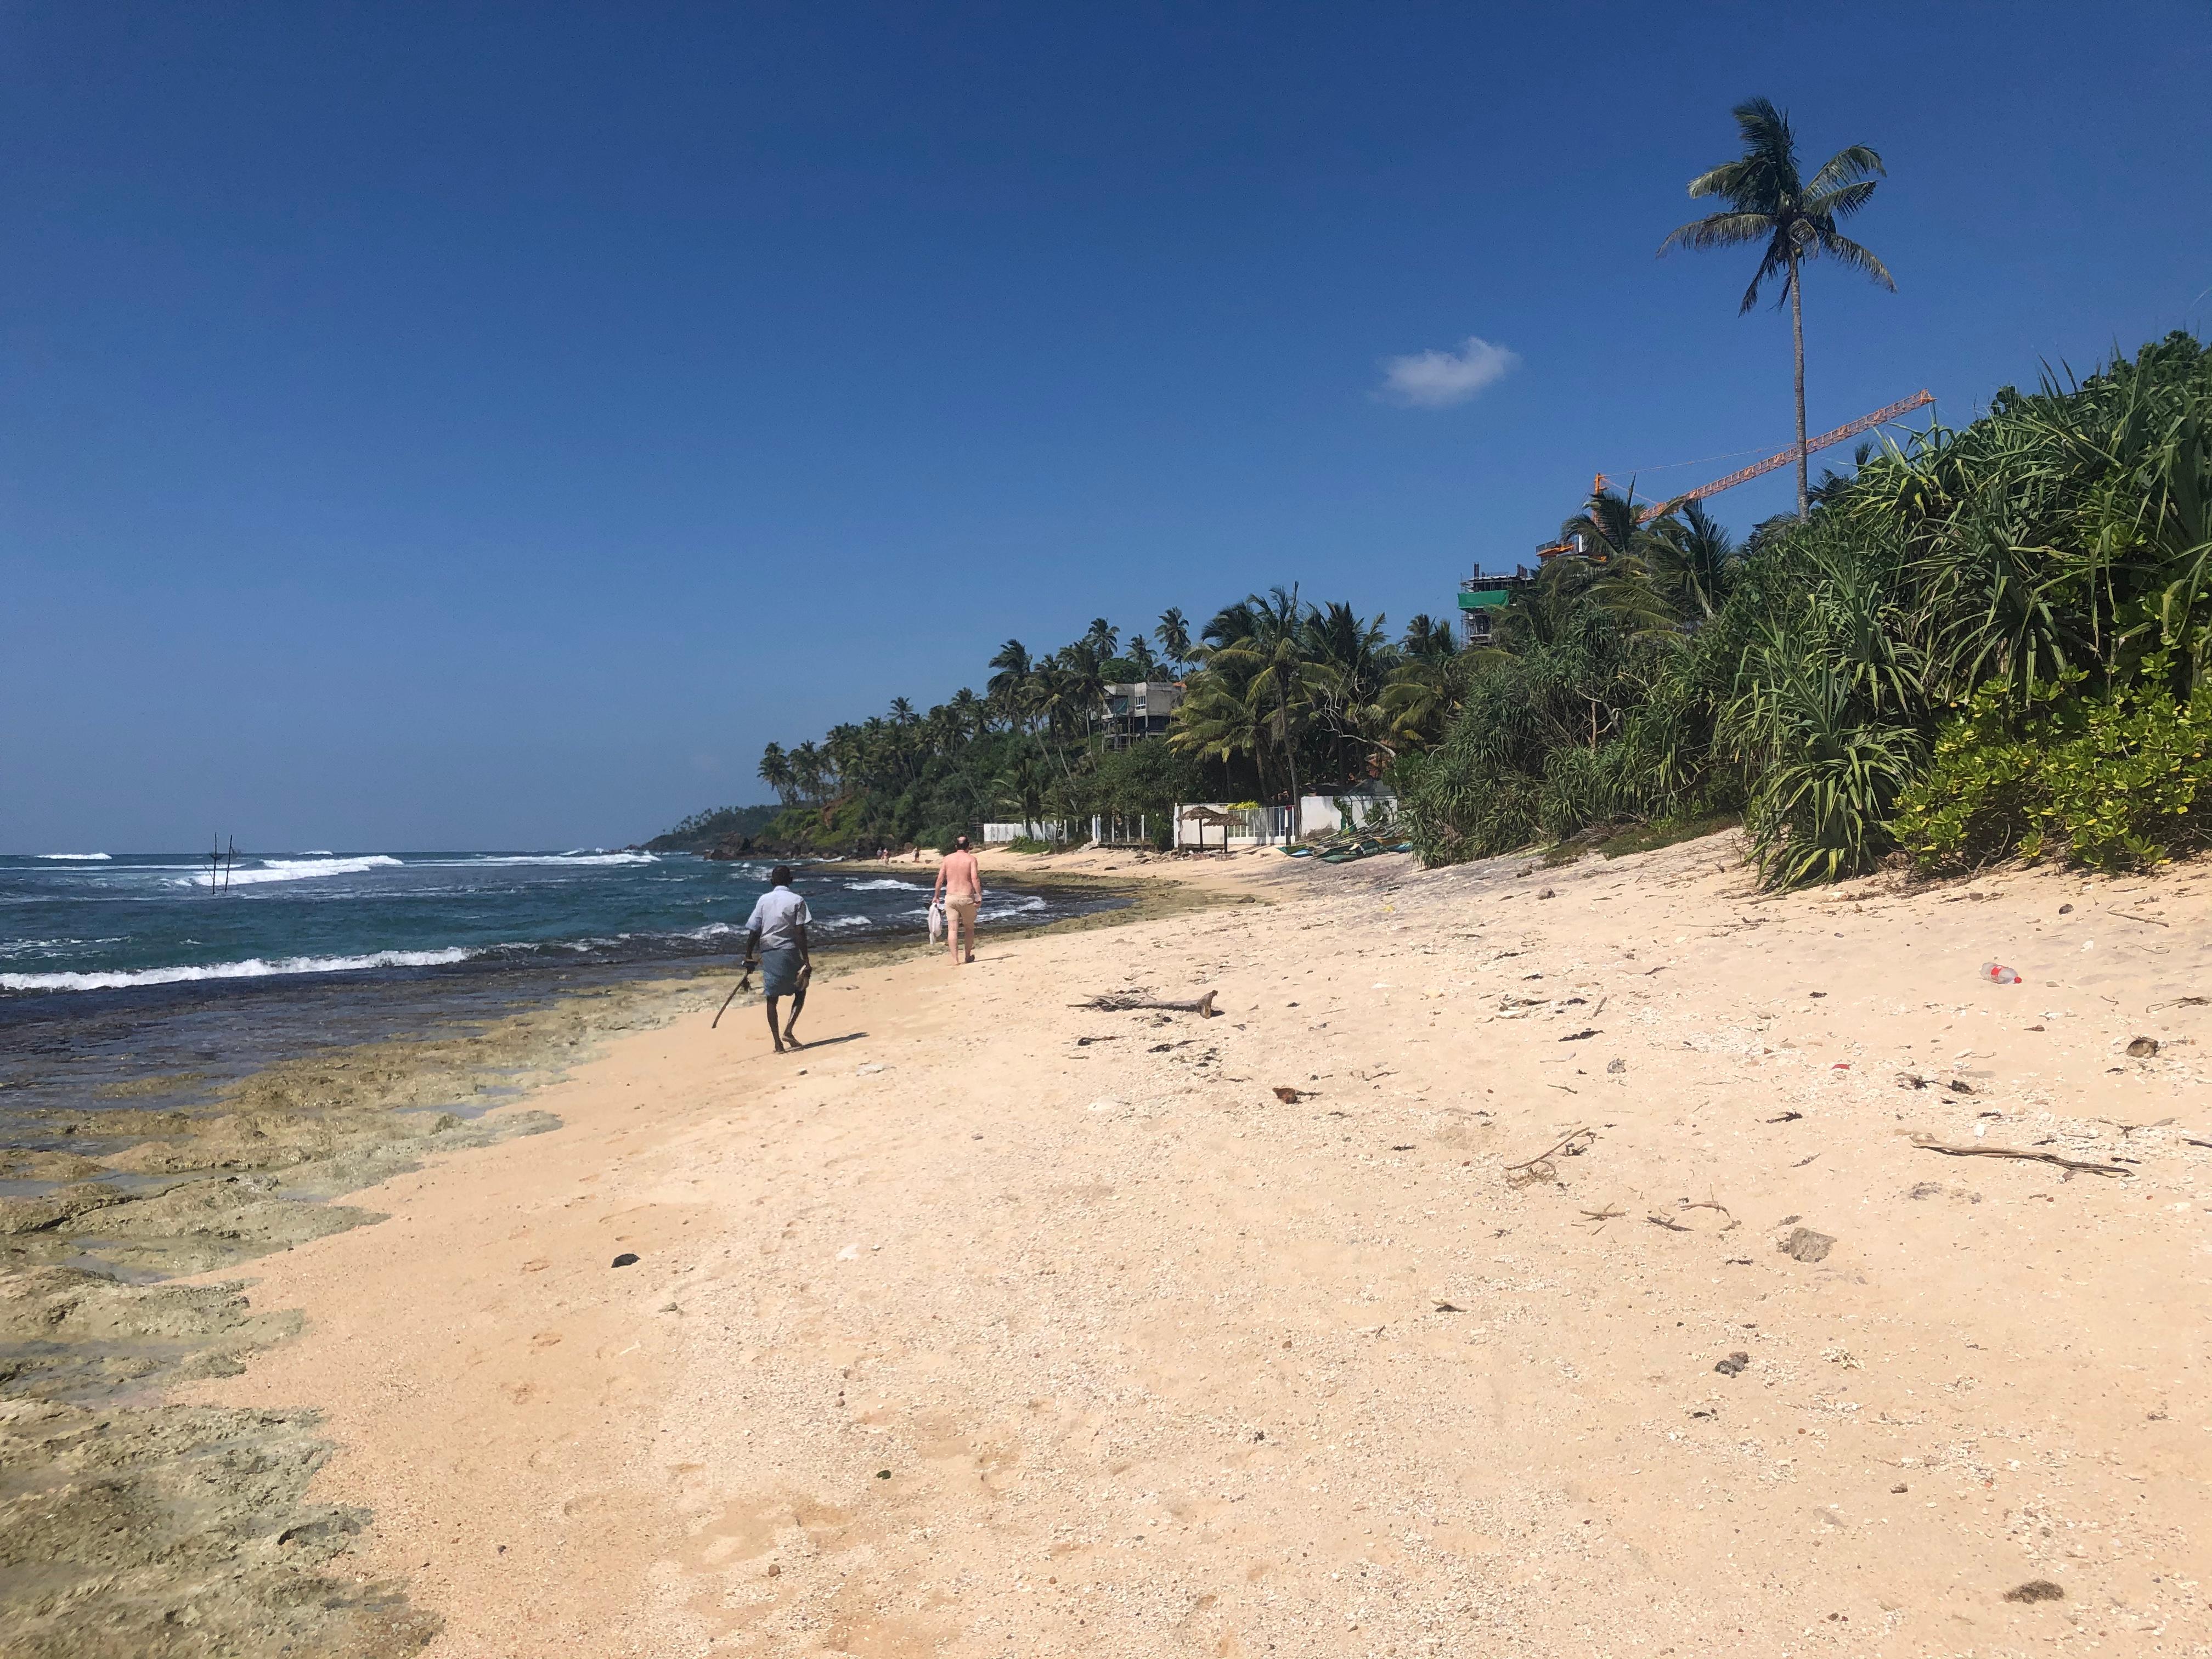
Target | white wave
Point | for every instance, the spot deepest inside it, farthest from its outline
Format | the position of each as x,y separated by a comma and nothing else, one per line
883,886
79,857
252,968
317,853
556,860
287,870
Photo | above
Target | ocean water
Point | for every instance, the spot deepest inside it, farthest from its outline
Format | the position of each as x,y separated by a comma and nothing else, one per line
95,922
116,968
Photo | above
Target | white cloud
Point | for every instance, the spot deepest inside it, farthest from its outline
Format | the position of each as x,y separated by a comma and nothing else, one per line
1437,380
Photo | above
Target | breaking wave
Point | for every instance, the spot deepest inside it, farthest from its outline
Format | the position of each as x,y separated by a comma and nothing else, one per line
251,968
287,870
555,860
78,858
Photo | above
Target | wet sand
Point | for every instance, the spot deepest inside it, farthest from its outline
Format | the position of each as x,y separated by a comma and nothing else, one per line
992,1324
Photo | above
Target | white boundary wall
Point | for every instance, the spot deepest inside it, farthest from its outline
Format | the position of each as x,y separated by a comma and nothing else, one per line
997,834
1324,815
1255,826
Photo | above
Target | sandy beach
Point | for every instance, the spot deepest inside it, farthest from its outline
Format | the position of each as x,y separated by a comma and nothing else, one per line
1530,1260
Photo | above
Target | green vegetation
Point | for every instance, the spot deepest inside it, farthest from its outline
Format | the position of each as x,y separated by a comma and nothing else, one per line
1987,641
1281,694
702,831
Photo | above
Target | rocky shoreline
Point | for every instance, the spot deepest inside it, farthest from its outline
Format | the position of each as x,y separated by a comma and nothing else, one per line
134,1528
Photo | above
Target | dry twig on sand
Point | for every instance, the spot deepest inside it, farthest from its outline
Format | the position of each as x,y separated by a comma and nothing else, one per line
1662,1221
1540,1167
1601,1216
1708,1204
1114,1003
2068,1164
2127,1129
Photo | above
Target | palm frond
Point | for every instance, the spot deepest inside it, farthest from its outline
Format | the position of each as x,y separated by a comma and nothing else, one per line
1825,207
1769,144
1846,167
1719,230
1845,251
1775,263
1730,179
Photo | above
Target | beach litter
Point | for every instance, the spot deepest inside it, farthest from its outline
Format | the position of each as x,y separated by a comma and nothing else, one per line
627,1259
1997,974
2143,1048
1733,1365
1287,1094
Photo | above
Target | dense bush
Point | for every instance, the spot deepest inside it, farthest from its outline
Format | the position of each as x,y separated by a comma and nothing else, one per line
2119,780
2047,570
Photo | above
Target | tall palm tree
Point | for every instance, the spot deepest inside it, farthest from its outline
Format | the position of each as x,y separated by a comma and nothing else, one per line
1266,637
1174,635
1009,688
1428,640
1795,217
775,772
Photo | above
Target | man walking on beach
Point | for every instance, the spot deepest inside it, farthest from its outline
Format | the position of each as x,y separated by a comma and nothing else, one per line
775,937
960,881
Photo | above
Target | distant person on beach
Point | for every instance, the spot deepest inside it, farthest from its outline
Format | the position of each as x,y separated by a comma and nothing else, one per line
960,883
775,937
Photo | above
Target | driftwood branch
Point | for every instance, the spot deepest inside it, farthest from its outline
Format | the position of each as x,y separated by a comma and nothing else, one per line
2068,1164
1540,1167
1113,1004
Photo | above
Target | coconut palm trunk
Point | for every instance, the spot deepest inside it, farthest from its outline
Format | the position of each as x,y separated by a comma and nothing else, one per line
1798,336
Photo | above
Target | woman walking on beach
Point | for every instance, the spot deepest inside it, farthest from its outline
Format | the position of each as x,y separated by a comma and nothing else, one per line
960,884
775,937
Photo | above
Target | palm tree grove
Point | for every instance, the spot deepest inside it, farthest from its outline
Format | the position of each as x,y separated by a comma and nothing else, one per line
1972,643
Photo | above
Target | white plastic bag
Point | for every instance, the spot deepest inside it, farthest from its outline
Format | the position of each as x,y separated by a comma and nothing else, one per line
936,920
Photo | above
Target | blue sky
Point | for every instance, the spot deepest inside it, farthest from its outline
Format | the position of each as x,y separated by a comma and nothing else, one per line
451,426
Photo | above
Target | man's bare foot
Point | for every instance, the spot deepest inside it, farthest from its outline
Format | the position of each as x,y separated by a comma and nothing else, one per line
791,1039
780,1049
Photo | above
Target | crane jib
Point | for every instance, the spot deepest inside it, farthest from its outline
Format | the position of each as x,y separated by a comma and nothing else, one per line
1744,475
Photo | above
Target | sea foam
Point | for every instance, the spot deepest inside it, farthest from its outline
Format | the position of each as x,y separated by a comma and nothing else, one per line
267,870
251,968
555,860
78,858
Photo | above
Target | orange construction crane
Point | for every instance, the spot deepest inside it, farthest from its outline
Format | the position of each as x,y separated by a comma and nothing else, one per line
1744,475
